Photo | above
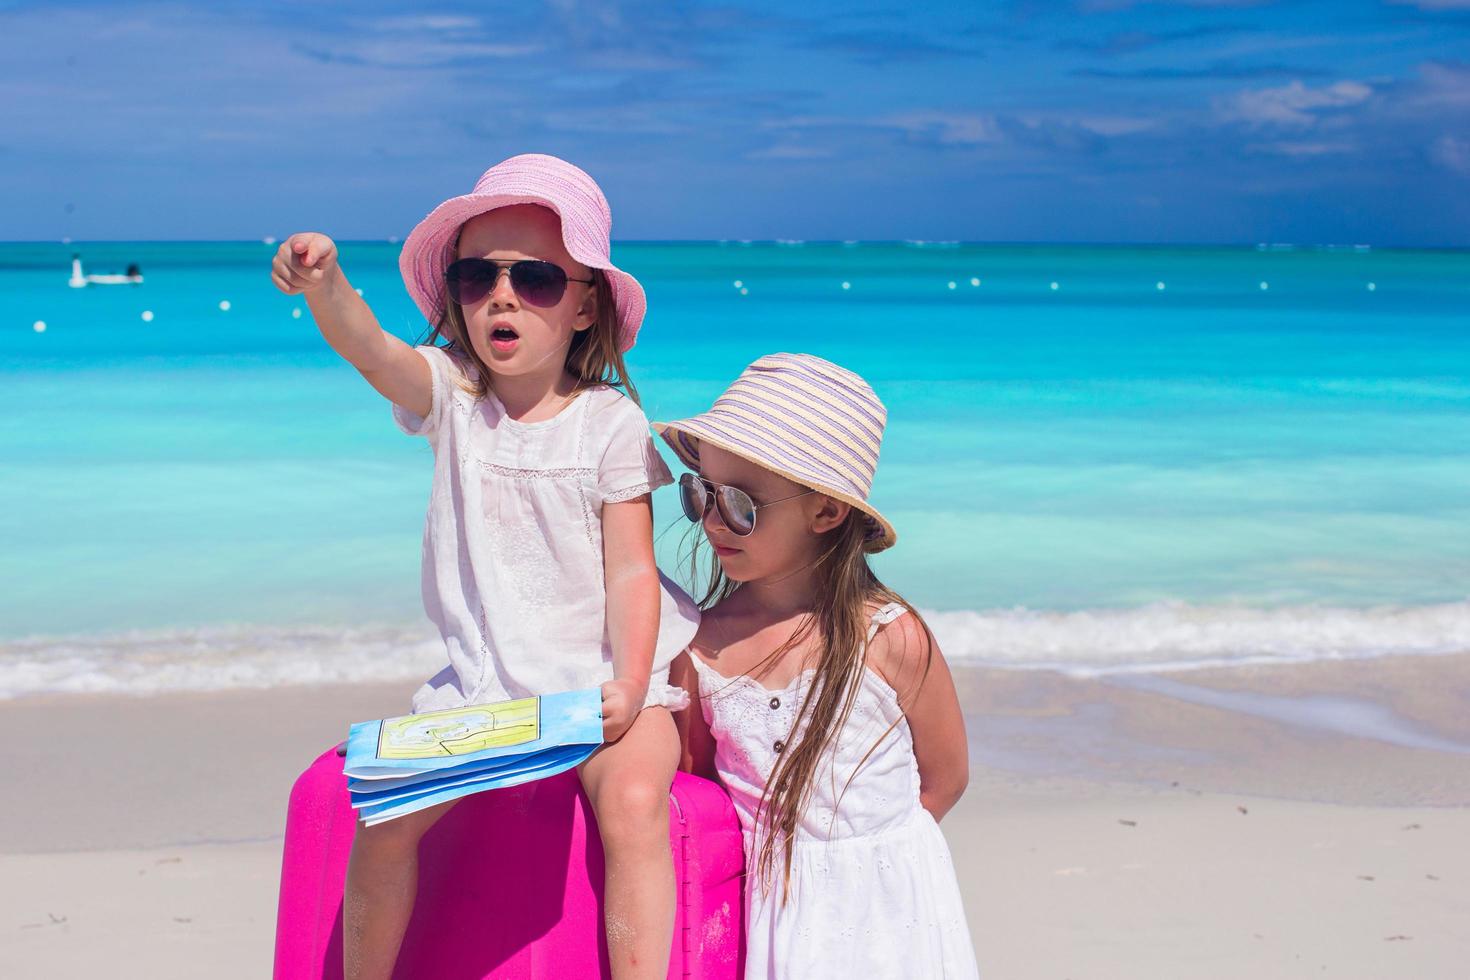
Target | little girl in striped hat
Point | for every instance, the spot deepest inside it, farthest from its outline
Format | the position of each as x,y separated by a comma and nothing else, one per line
824,704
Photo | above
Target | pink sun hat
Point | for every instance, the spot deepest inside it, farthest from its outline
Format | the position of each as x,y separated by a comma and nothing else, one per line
531,178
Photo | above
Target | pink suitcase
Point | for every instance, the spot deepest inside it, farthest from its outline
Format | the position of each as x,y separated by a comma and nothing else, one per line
510,884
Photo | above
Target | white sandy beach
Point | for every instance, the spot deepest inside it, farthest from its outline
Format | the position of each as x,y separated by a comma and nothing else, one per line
1108,832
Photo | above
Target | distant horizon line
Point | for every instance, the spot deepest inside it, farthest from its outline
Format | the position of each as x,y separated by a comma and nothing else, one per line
797,242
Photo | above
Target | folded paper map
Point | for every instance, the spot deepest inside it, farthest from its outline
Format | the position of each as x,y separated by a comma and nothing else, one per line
398,765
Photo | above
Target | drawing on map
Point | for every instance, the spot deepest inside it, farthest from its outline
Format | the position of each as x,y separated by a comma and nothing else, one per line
461,731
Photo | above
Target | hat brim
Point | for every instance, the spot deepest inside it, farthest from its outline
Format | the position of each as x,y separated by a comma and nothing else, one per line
684,436
427,252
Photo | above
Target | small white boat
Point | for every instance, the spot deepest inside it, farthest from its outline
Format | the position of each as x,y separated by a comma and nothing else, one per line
78,280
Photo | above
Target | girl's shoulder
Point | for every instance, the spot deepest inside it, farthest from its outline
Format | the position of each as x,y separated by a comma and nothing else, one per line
609,409
450,365
606,398
444,356
900,647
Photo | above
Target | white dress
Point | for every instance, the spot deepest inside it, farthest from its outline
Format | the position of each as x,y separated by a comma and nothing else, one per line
512,554
873,890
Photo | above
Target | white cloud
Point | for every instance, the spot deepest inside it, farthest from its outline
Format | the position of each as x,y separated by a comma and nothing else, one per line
1434,4
403,52
952,128
182,75
1303,148
790,152
959,129
647,120
1111,5
1294,104
1444,85
427,22
1116,125
1452,153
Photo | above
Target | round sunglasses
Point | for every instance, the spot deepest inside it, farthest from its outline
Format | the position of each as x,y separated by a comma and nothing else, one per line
536,281
735,507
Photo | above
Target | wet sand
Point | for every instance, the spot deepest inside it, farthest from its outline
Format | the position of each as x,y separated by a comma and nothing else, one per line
1285,821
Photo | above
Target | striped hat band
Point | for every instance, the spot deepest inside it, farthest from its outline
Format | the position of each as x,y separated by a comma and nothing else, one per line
805,418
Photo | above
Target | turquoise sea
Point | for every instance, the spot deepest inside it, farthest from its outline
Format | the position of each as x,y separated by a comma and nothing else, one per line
1098,458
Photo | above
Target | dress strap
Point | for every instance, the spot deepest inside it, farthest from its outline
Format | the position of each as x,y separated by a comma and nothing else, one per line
885,615
709,678
700,667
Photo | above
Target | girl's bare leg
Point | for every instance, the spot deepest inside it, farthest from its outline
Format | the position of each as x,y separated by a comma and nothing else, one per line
382,881
628,784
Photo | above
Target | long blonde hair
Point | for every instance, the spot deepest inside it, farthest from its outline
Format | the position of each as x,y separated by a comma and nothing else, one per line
594,356
839,619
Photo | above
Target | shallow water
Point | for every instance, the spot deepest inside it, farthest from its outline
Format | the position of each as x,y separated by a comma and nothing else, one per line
1105,475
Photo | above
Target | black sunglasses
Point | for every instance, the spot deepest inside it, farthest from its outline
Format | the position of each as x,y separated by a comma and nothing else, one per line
536,281
736,508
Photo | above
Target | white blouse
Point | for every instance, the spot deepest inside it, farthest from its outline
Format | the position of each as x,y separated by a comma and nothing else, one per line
513,563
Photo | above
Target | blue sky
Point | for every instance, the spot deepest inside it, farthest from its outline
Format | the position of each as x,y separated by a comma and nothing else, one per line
1098,120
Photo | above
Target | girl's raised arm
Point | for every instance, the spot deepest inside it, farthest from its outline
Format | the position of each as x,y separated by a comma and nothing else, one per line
306,263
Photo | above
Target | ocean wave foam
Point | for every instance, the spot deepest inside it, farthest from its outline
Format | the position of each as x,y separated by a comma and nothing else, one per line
1177,636
1094,642
216,658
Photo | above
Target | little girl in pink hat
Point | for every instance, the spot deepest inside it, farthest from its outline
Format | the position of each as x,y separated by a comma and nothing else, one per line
538,562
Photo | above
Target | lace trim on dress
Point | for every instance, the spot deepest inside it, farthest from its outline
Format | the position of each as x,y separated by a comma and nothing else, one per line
627,493
712,682
670,696
519,473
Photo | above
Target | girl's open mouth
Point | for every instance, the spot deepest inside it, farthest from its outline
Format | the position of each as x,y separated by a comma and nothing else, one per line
504,339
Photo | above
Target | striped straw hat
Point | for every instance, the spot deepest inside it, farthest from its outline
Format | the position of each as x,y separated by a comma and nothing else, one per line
804,418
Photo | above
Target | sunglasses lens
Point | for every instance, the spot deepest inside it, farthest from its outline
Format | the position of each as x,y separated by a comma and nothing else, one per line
539,283
470,280
737,510
692,497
